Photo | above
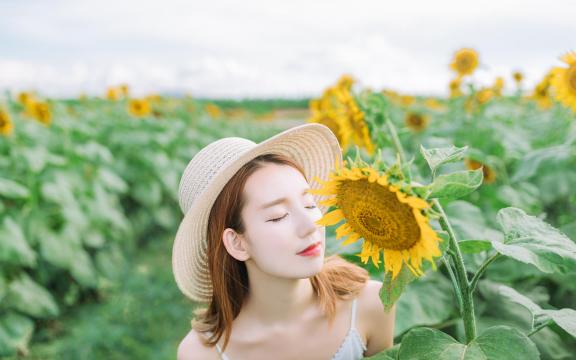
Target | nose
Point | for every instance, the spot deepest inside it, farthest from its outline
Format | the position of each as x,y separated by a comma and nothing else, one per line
307,221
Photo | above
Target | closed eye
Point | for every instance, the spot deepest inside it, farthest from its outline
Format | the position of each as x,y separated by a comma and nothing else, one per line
280,218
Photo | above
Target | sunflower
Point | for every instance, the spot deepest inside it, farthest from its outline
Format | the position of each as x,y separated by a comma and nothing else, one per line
112,94
24,98
357,126
489,174
337,124
407,100
484,95
416,121
124,90
345,82
389,220
434,104
498,86
465,61
6,125
541,93
564,81
213,111
139,108
455,89
39,111
518,77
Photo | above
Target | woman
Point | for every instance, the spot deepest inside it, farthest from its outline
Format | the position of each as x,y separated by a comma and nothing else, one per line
250,248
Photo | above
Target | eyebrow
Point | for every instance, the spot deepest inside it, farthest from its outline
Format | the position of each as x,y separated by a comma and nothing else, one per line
280,200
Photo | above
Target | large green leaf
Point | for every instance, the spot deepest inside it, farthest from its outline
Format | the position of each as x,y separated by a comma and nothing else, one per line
565,318
531,162
496,343
427,301
12,189
393,288
15,333
456,184
530,240
438,156
14,247
26,296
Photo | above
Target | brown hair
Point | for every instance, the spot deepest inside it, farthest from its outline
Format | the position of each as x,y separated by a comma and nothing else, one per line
337,279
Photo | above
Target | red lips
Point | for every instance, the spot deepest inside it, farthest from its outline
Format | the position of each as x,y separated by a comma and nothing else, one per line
310,247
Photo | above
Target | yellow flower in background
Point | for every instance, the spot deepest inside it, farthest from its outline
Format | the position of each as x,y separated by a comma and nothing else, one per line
407,100
25,97
455,89
416,121
465,61
337,124
484,95
112,94
434,104
338,107
518,77
388,220
489,174
6,126
359,132
498,86
124,90
564,81
541,92
139,107
213,111
345,82
39,111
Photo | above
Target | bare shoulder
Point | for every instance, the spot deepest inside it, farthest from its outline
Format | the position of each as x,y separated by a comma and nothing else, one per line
192,348
378,324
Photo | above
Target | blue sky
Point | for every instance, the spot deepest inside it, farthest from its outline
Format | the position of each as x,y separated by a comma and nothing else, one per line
261,48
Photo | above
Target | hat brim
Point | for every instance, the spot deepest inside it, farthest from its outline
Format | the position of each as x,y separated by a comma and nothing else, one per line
313,146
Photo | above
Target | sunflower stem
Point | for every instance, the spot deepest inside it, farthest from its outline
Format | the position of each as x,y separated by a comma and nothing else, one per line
395,138
464,288
457,291
481,270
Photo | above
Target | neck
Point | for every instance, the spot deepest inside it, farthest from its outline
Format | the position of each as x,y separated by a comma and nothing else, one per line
279,302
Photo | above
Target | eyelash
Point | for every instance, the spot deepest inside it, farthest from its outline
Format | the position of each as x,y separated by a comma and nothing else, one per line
278,219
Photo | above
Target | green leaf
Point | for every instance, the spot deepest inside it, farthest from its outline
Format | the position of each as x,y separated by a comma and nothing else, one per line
15,333
112,181
498,342
531,162
12,189
532,241
438,156
428,301
28,297
13,245
565,318
474,246
456,184
392,289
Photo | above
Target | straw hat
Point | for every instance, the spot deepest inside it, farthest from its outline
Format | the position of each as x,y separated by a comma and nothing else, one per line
313,146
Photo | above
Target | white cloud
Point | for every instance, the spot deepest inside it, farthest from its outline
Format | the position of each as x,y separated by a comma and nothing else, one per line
258,48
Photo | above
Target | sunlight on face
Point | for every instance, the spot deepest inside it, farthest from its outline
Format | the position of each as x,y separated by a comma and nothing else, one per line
280,221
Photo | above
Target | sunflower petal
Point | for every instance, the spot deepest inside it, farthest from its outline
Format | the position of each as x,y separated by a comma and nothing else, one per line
331,218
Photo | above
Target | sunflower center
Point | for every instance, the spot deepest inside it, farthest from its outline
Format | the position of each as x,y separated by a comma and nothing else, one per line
3,121
377,215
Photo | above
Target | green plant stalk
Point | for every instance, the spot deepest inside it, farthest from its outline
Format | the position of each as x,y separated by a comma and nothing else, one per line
467,300
481,270
395,138
457,291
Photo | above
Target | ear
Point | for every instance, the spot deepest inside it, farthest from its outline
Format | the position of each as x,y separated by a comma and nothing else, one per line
235,244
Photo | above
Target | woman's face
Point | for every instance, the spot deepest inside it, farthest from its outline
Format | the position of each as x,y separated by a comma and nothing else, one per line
277,230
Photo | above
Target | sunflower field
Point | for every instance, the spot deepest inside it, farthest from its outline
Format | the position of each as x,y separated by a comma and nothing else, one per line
463,206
